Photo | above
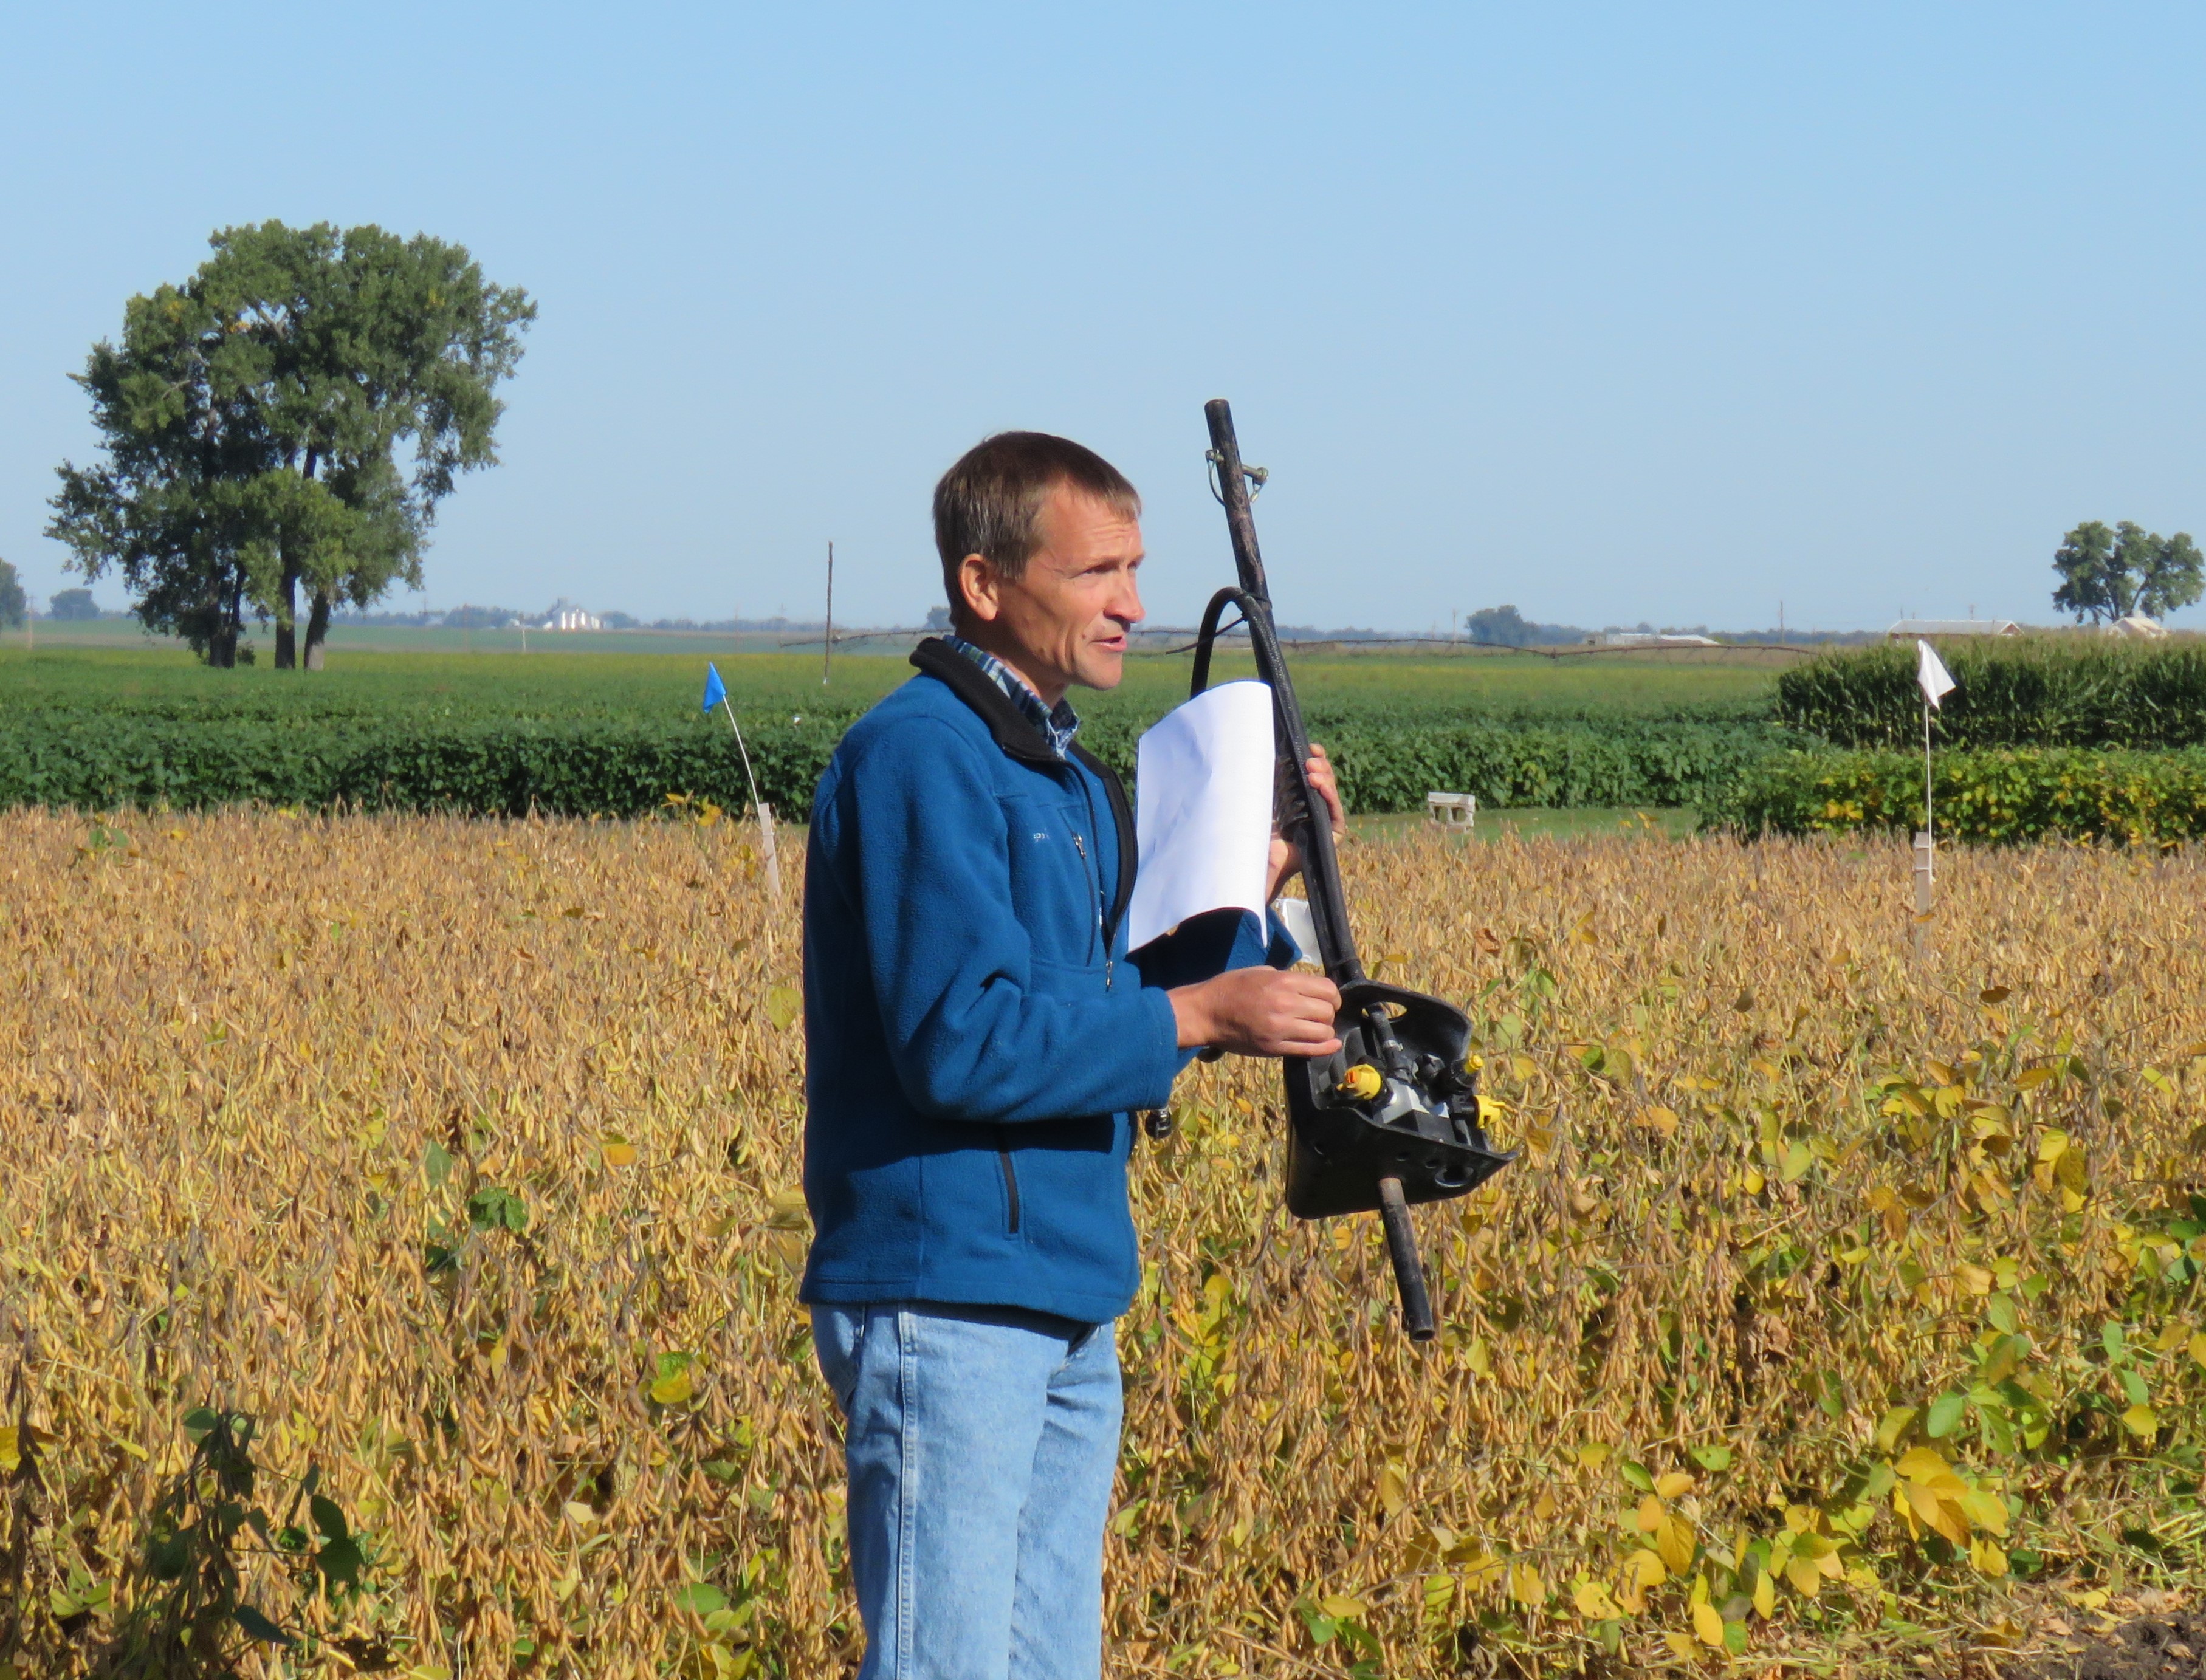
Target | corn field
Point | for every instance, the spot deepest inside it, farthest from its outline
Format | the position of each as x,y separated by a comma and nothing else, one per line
399,1236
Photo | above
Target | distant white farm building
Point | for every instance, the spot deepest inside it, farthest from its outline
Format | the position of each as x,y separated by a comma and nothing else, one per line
571,618
2137,624
1649,639
1908,629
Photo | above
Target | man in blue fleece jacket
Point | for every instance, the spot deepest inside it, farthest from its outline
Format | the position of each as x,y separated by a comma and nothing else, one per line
978,1040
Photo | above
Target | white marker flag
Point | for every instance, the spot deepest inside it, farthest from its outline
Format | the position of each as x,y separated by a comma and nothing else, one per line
1930,672
1203,810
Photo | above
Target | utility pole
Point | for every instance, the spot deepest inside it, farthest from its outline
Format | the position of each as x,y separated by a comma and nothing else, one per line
827,655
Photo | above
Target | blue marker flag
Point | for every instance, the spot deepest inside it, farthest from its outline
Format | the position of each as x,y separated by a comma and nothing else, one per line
715,690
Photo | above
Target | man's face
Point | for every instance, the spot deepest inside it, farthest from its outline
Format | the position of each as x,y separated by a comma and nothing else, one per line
1063,620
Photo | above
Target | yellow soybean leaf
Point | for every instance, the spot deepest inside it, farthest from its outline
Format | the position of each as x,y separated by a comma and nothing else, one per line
1662,1120
1343,1608
787,1209
11,1454
1674,1486
1804,1577
1650,1516
1592,1600
1674,1541
1986,1509
2142,1421
1708,1623
1989,1558
1765,1595
673,1389
1525,1586
619,1153
2198,1346
1943,1514
1923,1464
1647,1569
784,1004
1393,1491
1893,1426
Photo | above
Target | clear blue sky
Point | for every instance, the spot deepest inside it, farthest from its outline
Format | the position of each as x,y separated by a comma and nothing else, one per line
1661,313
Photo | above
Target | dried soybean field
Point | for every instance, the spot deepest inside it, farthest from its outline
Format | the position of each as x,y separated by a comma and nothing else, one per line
399,1233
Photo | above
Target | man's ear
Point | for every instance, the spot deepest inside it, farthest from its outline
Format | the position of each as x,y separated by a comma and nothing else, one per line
977,582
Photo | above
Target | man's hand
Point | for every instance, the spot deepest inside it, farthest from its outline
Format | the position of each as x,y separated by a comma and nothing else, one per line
1287,859
1259,1012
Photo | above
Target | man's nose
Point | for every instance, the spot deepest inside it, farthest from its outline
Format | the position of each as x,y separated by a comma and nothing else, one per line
1126,608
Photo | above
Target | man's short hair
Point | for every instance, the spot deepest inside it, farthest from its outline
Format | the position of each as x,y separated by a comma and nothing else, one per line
990,502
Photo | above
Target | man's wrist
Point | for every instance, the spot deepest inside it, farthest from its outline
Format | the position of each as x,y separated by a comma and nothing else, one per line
1191,1022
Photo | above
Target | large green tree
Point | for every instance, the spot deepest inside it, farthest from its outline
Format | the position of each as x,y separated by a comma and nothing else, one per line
2111,573
286,420
13,605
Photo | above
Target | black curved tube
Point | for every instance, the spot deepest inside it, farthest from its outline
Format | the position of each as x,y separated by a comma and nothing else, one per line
1208,635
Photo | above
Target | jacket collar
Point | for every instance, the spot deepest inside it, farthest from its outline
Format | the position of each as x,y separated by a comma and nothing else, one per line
1014,730
1059,723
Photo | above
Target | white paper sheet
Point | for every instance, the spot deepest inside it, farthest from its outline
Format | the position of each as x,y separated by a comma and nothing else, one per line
1203,810
1301,926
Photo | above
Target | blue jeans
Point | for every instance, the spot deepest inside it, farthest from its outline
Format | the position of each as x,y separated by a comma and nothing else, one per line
981,1444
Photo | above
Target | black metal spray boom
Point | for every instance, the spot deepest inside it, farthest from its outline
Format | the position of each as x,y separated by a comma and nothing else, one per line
1393,1117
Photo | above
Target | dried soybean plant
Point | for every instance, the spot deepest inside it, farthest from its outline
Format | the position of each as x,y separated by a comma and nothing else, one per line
1842,1308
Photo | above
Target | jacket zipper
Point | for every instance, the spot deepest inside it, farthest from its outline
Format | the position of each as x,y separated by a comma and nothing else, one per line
1011,1187
1096,876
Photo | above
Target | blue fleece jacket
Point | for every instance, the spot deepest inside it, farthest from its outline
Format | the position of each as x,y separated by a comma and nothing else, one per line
976,1038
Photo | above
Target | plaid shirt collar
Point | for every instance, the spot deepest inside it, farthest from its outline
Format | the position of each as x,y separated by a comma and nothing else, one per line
1057,724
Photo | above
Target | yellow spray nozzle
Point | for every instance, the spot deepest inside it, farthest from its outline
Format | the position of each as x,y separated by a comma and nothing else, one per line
1473,1063
1363,1082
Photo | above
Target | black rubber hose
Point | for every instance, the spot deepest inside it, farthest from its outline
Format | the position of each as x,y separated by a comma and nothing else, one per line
1409,1269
